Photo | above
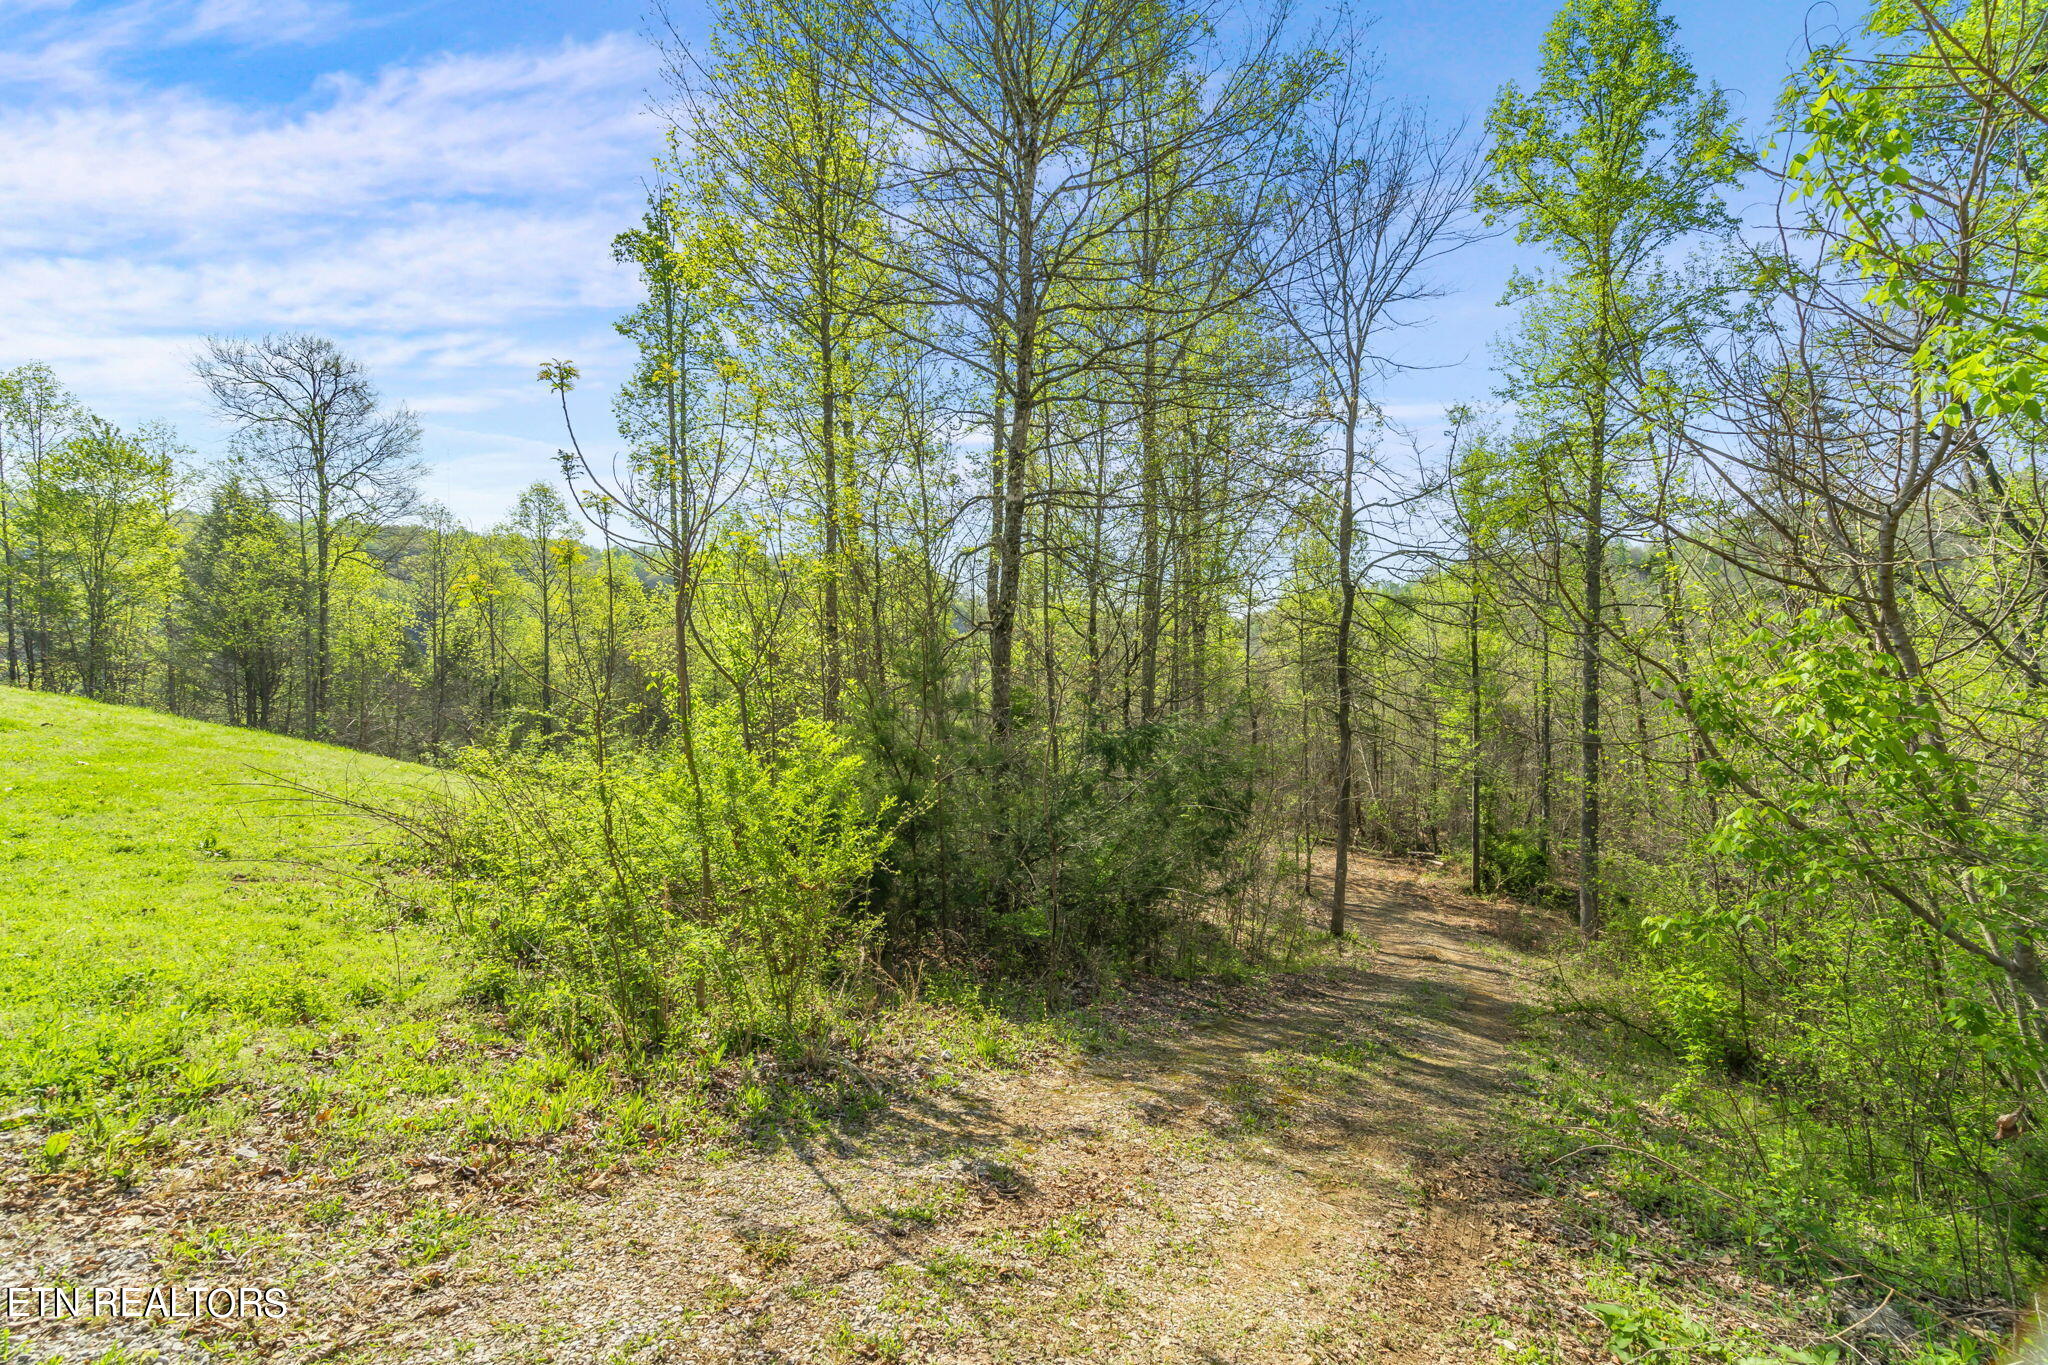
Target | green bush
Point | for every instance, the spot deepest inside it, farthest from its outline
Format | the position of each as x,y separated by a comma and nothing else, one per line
618,898
1099,867
1515,863
1832,1082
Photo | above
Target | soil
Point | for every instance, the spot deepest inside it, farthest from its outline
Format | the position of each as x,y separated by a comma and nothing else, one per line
1309,1168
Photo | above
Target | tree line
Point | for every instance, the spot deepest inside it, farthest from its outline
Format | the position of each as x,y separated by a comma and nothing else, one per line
1005,417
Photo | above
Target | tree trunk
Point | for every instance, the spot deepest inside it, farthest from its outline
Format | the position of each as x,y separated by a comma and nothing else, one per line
1544,816
829,627
1152,567
1003,628
1593,552
1341,876
1472,663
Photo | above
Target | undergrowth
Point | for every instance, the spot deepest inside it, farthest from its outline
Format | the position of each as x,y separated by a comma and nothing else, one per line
1636,1149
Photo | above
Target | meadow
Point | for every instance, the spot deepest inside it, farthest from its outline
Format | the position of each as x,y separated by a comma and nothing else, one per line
181,932
198,954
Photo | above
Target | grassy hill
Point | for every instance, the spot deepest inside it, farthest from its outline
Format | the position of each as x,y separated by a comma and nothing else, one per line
197,957
171,914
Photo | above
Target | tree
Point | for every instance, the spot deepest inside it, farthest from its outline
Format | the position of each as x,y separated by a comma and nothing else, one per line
237,603
679,466
36,414
312,433
541,520
1920,160
785,150
437,600
679,469
99,512
1612,158
1375,203
1471,494
1021,145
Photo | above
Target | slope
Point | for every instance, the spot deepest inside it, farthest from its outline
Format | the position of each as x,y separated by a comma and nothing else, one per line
166,900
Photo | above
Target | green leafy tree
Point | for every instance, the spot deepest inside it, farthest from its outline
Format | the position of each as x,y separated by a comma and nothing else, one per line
1614,157
99,509
785,153
239,596
1919,149
36,414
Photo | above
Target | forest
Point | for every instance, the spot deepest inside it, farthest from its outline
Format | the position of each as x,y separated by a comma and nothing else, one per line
1001,568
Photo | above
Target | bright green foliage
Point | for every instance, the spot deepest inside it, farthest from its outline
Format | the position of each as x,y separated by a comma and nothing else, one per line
1612,160
1917,148
1875,945
1841,781
91,550
1516,864
576,877
1615,153
161,914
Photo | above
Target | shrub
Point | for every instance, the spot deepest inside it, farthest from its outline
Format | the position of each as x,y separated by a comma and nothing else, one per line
1830,1075
1516,863
616,898
1085,873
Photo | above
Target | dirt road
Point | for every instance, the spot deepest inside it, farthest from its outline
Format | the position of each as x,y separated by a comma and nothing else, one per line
1300,1171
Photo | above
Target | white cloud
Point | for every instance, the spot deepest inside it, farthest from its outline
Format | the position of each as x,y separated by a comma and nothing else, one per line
260,23
64,47
449,221
436,269
172,162
43,45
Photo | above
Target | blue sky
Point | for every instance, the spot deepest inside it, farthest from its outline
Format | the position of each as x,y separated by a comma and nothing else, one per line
435,183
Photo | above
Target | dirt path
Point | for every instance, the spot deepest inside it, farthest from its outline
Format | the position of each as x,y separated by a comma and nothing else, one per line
1300,1174
1300,1170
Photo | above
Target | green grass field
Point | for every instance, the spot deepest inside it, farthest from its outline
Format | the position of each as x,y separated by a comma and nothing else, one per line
195,955
172,916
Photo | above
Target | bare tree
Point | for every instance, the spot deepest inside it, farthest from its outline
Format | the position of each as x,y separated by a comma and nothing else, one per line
311,430
1378,201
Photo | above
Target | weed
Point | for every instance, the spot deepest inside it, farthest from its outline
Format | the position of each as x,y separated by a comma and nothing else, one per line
326,1212
433,1233
917,1208
888,1345
1252,1111
1644,1327
1067,1235
949,1270
51,1155
211,1248
770,1248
